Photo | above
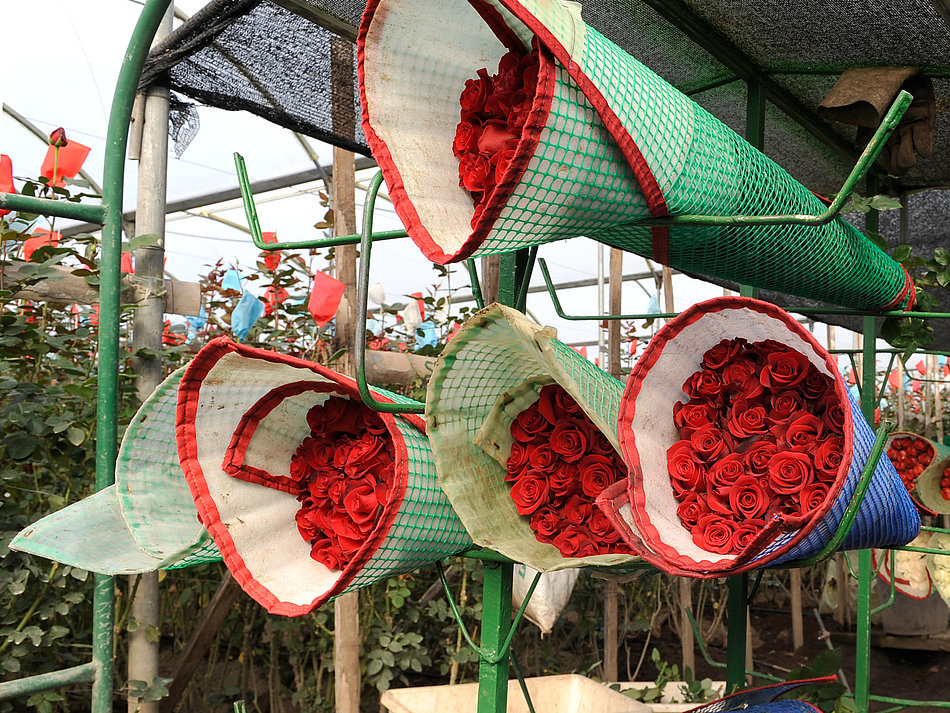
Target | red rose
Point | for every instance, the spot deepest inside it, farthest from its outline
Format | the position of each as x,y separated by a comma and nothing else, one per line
833,414
342,452
475,173
599,445
542,457
495,137
746,533
530,492
802,431
327,553
601,528
528,425
508,78
828,458
694,415
565,403
361,505
816,385
547,403
783,369
707,443
703,386
812,497
746,420
789,472
748,499
546,524
736,370
768,346
343,527
475,93
726,471
714,533
563,481
687,473
519,112
373,423
306,524
577,510
299,468
723,353
596,473
466,137
318,452
517,460
500,161
530,65
336,415
747,388
783,405
568,441
575,543
757,458
321,481
718,501
363,454
693,507
337,490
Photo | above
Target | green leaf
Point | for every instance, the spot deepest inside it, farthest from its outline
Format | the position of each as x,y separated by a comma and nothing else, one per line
942,256
141,241
891,329
374,666
76,436
152,634
902,252
881,202
943,277
19,445
827,663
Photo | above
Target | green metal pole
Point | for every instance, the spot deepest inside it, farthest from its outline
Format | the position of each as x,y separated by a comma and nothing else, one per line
108,379
739,584
496,620
46,681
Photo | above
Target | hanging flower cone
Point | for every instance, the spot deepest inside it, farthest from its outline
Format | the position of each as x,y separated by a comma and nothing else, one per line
921,465
755,464
524,435
306,492
932,487
146,521
528,126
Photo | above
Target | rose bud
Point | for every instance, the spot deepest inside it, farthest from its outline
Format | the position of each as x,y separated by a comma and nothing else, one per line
58,137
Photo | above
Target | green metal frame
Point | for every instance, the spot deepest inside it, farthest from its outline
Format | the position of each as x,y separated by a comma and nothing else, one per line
109,214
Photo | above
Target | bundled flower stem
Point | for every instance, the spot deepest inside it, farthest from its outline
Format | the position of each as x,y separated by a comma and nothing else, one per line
343,471
761,435
559,463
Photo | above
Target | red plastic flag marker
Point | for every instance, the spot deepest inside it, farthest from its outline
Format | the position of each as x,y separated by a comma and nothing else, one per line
62,162
921,368
892,380
271,259
40,238
421,303
325,297
6,178
125,265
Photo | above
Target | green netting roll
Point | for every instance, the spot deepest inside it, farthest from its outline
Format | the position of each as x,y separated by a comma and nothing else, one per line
242,413
486,375
606,144
147,520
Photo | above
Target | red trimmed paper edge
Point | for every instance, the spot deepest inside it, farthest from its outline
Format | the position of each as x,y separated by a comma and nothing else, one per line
656,551
406,211
884,574
188,393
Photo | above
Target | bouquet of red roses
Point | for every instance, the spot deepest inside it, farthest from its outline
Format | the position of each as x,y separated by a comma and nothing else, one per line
306,492
925,467
559,463
757,465
523,429
761,434
910,454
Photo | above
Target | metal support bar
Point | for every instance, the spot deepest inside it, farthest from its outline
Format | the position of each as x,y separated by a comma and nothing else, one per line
362,298
865,160
250,210
89,212
496,618
84,673
738,606
476,285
